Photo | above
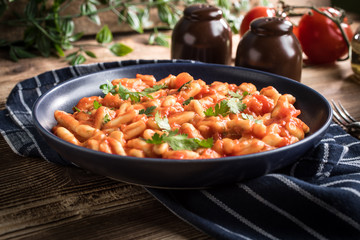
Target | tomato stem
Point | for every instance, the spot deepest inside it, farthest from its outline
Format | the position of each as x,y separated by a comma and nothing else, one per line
337,20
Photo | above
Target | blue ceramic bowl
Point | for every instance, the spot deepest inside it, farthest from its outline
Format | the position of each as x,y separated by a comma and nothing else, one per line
168,173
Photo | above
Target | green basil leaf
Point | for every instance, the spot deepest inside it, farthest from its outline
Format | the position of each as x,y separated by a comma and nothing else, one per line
90,54
31,9
89,9
43,45
71,56
79,59
134,21
162,41
104,35
67,27
59,50
120,49
22,53
76,37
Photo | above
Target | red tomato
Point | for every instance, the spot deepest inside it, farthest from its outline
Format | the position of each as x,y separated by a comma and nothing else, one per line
321,39
256,12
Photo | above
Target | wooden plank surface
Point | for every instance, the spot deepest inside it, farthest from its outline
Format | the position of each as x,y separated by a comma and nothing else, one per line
40,200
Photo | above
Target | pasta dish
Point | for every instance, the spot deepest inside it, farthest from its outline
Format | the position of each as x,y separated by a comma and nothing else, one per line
180,117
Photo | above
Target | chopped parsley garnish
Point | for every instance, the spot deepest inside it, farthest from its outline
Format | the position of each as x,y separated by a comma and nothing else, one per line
108,88
96,104
235,105
180,141
76,109
227,106
186,102
125,93
250,117
237,95
221,108
106,118
184,85
177,141
148,111
163,123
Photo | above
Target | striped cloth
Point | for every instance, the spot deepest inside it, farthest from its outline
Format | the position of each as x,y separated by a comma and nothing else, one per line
318,197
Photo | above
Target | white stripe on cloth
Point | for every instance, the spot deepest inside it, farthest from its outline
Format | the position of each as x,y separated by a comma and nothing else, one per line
56,77
354,191
21,96
350,159
342,135
73,72
328,140
19,123
328,184
352,144
236,215
281,211
324,160
38,85
353,164
316,200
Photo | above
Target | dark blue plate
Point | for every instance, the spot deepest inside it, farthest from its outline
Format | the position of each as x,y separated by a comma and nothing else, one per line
167,173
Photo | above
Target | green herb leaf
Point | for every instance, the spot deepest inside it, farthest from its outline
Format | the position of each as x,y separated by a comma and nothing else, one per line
220,109
59,50
180,141
106,118
108,88
133,20
155,88
183,86
76,109
163,123
21,52
31,9
76,37
250,117
205,143
104,35
187,102
79,59
235,105
156,139
159,39
67,26
90,54
120,49
148,111
125,94
96,104
89,9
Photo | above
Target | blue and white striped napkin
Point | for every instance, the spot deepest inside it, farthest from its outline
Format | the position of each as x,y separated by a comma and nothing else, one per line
318,197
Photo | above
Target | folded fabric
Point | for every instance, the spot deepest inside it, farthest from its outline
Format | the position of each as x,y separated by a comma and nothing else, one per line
318,197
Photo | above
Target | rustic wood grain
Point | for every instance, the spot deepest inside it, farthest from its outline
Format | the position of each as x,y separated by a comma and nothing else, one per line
40,200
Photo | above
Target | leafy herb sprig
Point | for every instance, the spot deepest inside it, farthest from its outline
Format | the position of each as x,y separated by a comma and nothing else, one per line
233,104
49,31
175,140
126,94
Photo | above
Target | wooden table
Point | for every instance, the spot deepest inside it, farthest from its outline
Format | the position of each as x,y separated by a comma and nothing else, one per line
40,200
